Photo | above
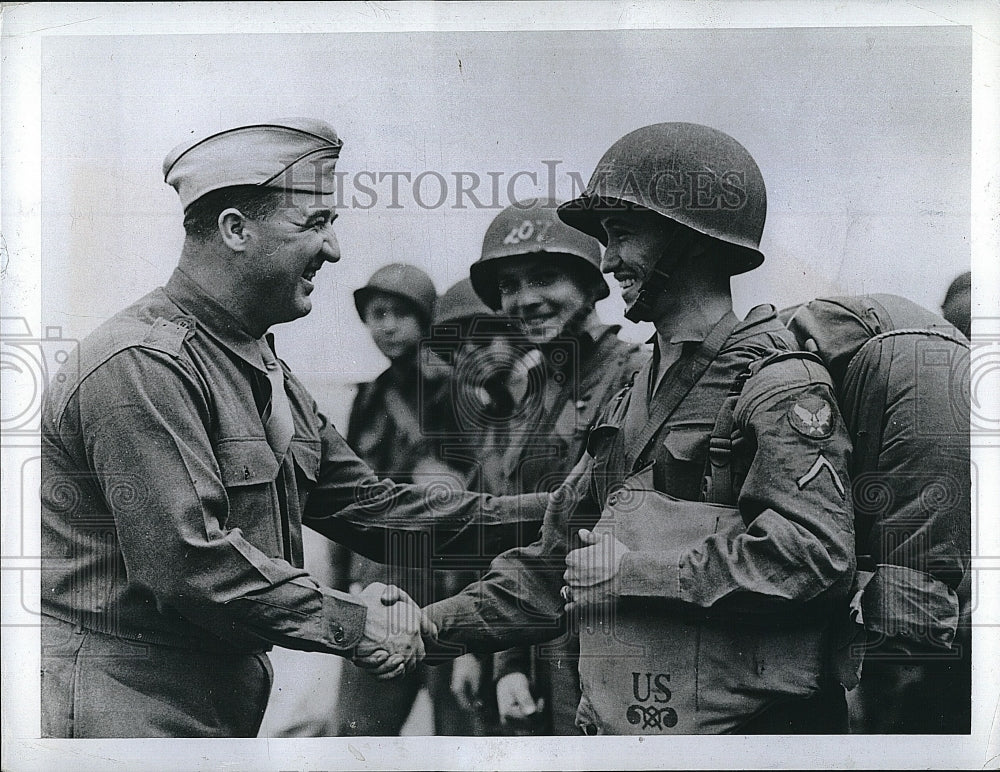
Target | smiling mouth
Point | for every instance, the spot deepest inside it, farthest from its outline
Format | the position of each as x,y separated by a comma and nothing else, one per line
310,273
627,282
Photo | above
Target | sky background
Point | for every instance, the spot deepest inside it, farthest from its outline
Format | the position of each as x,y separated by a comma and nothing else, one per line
862,135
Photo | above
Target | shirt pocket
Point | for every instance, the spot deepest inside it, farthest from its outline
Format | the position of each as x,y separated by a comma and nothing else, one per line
249,470
306,454
680,462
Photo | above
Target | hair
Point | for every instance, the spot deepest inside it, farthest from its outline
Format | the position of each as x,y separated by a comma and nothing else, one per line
201,218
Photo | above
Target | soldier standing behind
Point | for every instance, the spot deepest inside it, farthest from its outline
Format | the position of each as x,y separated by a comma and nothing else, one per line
474,340
387,427
539,271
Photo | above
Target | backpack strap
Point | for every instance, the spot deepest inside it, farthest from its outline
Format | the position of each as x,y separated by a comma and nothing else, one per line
719,485
678,384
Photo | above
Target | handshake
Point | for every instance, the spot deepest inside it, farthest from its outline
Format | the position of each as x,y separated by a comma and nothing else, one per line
395,628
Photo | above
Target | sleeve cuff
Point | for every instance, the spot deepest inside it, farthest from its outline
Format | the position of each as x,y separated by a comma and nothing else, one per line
345,620
445,614
646,574
516,660
911,604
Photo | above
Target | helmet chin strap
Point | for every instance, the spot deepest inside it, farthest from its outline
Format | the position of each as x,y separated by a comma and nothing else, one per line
641,309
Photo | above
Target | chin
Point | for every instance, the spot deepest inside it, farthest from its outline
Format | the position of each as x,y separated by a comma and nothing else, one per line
303,306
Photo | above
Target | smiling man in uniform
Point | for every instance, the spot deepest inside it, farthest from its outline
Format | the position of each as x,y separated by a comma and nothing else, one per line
705,603
180,459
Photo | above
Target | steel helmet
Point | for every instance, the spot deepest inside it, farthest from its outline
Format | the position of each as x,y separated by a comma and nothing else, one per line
692,174
522,229
404,281
460,302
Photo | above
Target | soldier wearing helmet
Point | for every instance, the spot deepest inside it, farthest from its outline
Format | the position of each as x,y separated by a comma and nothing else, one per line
392,424
704,603
563,365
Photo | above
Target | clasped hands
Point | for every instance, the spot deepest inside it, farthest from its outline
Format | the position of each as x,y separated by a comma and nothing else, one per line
395,627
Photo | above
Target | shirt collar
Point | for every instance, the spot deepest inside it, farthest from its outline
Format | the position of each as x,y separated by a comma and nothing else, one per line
690,331
214,318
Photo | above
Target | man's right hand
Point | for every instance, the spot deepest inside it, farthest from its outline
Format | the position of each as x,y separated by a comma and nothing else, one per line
515,702
392,644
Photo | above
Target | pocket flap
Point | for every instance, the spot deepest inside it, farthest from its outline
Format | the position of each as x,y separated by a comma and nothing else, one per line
306,454
246,461
687,444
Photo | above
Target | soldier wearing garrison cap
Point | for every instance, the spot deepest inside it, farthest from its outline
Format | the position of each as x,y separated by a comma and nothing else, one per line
704,603
180,459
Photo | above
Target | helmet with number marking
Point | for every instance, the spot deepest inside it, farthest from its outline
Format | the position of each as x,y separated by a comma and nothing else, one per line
403,281
694,175
534,228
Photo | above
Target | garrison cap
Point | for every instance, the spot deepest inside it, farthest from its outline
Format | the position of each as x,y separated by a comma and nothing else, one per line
291,154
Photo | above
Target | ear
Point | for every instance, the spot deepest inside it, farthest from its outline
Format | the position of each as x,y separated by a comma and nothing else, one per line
232,227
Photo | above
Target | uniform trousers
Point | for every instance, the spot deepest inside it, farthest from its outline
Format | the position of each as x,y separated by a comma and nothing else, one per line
96,685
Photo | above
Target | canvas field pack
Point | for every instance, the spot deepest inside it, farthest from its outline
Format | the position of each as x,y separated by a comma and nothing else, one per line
900,377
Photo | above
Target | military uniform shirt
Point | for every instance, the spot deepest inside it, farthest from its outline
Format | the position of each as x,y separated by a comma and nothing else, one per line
167,517
799,542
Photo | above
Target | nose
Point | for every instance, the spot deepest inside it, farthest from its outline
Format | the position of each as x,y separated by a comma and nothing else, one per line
610,259
387,323
526,297
331,247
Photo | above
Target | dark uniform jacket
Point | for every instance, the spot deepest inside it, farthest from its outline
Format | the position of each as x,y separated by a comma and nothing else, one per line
795,552
166,516
575,377
395,427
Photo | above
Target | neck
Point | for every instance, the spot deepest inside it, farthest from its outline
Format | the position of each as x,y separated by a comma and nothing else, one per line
404,365
585,322
209,267
696,311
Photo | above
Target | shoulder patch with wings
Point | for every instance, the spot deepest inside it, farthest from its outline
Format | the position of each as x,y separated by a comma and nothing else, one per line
812,417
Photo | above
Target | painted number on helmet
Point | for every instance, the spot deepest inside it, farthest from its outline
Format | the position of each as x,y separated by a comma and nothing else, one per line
526,230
